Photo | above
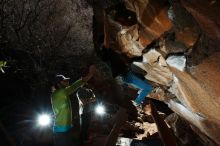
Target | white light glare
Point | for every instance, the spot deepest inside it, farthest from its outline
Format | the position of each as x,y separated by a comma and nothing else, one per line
44,120
100,109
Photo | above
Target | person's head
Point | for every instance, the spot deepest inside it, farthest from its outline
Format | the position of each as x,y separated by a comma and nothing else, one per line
85,95
61,81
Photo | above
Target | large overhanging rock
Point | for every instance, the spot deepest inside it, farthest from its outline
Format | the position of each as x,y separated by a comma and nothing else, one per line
209,128
195,96
156,67
197,89
199,92
152,16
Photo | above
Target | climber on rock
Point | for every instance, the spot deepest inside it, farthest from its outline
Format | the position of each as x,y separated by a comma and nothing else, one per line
124,71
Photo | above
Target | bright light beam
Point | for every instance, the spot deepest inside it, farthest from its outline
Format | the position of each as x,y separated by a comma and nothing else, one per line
100,109
44,120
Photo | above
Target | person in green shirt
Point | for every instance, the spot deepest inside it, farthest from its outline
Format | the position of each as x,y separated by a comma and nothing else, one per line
64,132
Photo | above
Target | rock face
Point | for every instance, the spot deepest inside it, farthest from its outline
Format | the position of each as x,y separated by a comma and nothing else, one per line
128,41
174,40
207,127
126,38
206,14
152,16
207,73
196,96
184,132
156,67
147,21
197,92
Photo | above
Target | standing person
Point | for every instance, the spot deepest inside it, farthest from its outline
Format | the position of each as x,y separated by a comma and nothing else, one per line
86,98
65,134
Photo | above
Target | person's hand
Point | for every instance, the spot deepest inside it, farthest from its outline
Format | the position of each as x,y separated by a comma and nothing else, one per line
92,70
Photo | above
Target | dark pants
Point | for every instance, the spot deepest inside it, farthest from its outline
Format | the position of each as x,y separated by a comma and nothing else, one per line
69,138
143,86
84,127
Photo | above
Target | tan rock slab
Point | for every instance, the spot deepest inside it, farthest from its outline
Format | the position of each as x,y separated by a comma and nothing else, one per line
156,67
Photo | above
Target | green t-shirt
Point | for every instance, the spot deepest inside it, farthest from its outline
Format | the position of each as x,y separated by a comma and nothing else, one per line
61,105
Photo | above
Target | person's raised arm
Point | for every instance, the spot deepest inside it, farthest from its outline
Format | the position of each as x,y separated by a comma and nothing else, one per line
82,81
88,76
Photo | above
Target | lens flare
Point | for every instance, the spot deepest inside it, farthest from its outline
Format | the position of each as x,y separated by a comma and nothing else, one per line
100,109
44,120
